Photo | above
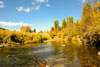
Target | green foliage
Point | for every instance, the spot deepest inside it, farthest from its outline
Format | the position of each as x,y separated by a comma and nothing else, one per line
96,7
92,36
87,17
34,30
2,28
87,8
70,19
56,24
59,28
52,28
45,36
77,22
88,28
64,23
25,29
14,37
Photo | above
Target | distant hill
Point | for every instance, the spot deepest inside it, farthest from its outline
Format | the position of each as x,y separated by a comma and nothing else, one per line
3,28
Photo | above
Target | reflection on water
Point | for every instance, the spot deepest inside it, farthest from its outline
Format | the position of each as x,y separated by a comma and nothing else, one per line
53,54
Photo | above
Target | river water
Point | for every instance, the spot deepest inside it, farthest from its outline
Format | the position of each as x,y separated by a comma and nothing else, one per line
50,54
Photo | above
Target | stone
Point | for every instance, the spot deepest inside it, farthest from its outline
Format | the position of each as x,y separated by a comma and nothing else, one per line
1,46
99,53
59,65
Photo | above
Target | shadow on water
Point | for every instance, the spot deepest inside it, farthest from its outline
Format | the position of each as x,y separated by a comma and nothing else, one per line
54,54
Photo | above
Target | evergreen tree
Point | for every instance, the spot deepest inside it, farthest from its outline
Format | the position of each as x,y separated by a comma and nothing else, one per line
59,28
34,30
56,24
52,28
77,22
69,19
64,23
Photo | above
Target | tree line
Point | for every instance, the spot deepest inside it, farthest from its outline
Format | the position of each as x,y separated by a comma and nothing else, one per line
87,29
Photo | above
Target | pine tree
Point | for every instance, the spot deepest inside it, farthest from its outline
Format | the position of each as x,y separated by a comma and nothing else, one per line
56,24
34,30
64,23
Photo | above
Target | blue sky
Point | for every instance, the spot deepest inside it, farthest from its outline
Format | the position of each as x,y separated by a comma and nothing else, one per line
40,14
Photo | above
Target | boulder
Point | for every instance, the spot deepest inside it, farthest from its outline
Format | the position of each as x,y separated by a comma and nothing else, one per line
59,65
98,53
1,46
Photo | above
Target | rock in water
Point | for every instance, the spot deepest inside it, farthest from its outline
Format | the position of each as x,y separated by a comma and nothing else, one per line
1,46
47,65
59,65
63,45
99,53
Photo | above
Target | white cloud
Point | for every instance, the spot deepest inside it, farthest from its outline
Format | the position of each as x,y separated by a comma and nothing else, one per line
14,24
83,1
1,2
2,6
37,7
23,9
47,5
20,8
27,10
41,1
33,3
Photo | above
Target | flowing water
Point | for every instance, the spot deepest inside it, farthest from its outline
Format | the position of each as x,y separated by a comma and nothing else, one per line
50,54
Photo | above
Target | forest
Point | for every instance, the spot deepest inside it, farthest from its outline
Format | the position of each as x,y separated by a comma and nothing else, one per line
85,30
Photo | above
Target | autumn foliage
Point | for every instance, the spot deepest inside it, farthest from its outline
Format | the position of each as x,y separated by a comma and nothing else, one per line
87,29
